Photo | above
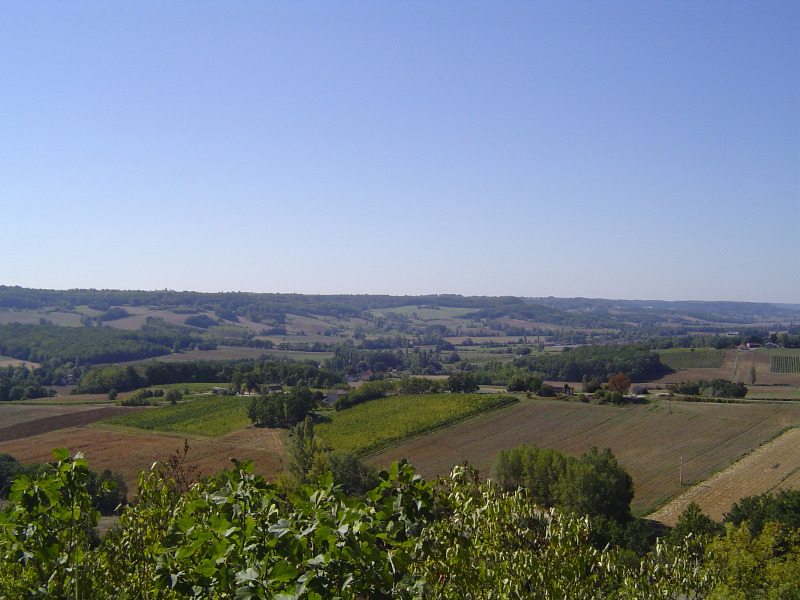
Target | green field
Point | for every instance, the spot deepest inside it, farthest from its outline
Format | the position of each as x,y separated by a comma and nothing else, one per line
207,415
374,425
429,314
784,361
680,359
194,388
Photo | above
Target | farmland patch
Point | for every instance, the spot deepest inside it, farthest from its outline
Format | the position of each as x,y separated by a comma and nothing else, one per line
784,363
63,420
130,452
210,416
647,439
376,424
699,358
770,467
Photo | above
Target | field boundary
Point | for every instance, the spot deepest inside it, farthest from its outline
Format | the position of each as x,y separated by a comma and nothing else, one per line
717,494
48,424
378,447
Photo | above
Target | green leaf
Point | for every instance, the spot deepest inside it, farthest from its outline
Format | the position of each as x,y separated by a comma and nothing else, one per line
61,454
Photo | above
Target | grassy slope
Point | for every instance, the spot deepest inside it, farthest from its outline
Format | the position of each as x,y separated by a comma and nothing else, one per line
368,427
208,416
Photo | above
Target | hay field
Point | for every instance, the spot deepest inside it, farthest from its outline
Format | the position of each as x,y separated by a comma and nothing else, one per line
647,439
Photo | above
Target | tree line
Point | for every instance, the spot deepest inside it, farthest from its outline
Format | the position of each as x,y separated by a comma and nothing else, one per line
250,374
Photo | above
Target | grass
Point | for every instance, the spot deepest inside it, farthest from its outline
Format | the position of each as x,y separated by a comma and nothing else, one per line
692,358
194,388
377,424
206,416
428,314
783,363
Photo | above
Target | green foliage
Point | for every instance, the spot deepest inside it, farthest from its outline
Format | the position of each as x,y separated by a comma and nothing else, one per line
689,388
417,385
462,383
41,343
21,383
590,385
237,536
46,532
204,415
113,314
637,360
695,526
525,383
143,397
306,453
281,409
173,396
368,427
594,484
747,565
722,388
98,380
372,390
201,321
782,363
782,508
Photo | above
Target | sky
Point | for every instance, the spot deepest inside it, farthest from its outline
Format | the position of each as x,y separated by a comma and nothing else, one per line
608,149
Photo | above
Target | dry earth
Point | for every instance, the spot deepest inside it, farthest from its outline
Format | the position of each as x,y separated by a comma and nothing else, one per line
130,452
647,439
772,466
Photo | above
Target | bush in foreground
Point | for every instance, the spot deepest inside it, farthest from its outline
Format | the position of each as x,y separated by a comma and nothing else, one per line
237,536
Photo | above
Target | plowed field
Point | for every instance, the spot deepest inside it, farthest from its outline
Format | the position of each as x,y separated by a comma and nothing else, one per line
647,439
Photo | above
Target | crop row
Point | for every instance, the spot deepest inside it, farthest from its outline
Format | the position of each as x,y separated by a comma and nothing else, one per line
692,359
784,364
370,427
205,415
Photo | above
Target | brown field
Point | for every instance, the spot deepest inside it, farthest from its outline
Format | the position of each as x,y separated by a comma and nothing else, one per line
772,466
16,414
131,452
737,366
35,423
648,439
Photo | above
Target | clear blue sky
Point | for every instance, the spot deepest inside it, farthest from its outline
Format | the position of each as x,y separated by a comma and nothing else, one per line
646,150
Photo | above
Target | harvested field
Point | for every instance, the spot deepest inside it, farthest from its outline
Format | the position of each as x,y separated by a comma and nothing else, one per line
724,371
770,467
130,453
647,439
26,425
15,414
